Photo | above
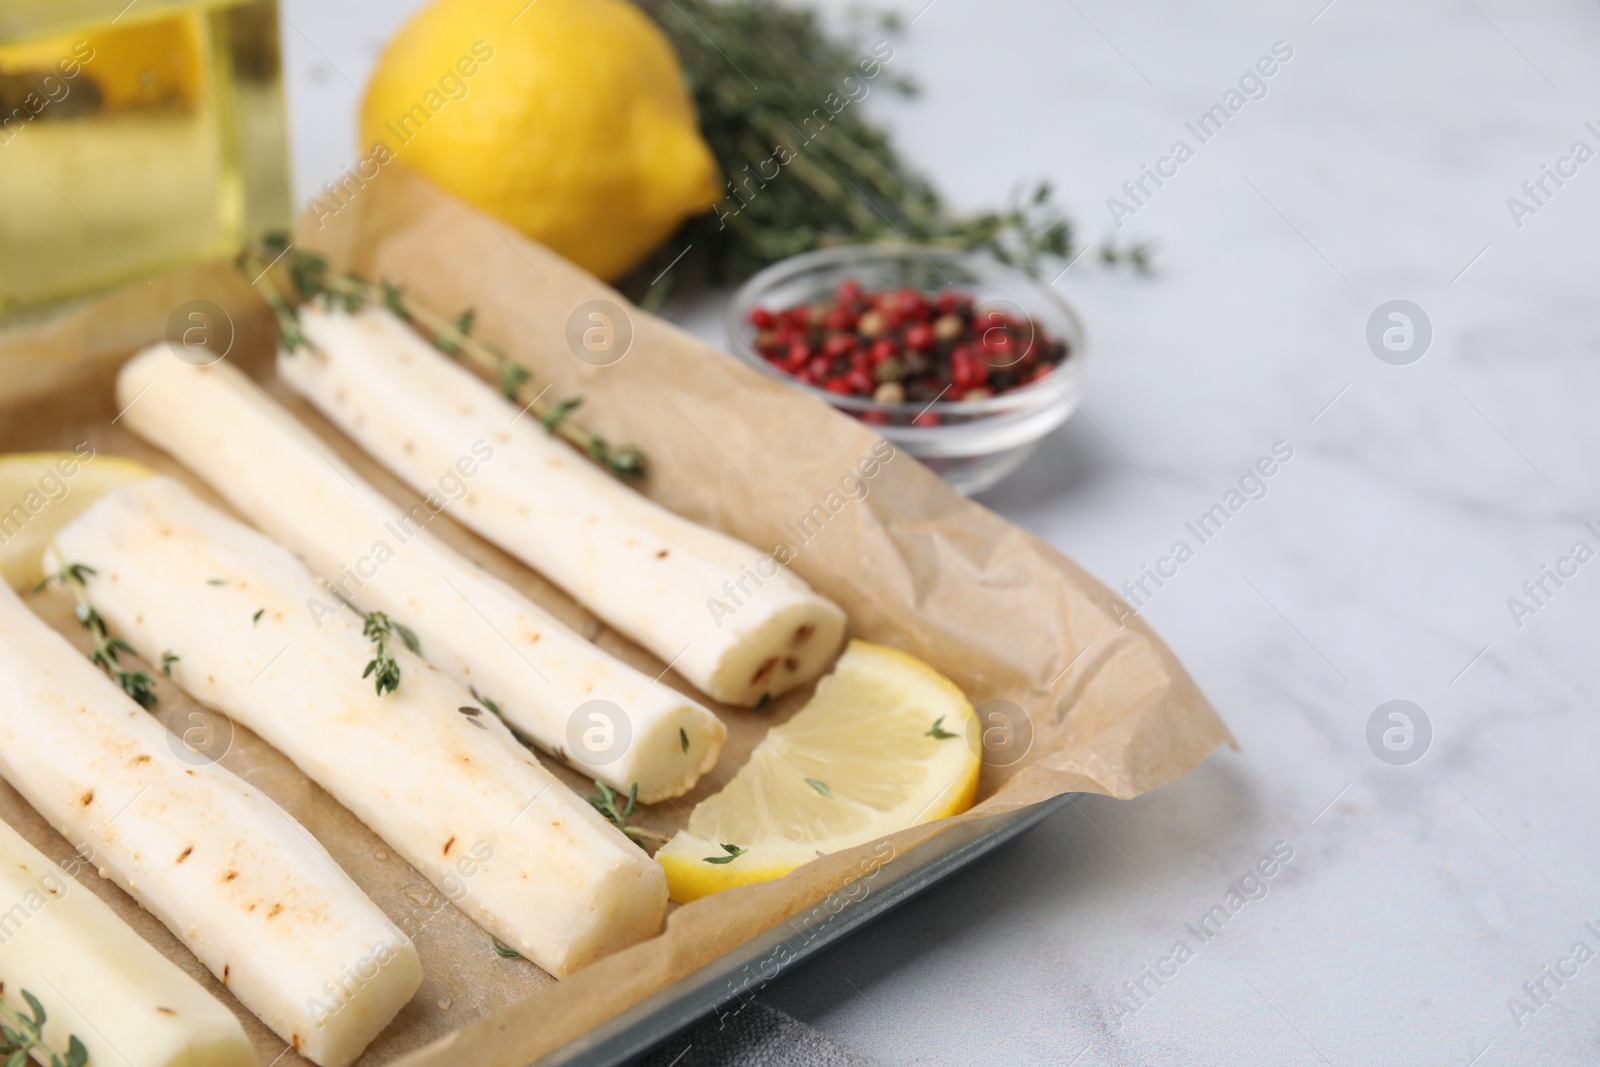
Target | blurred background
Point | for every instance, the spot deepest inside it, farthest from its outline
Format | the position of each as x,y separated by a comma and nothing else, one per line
1396,161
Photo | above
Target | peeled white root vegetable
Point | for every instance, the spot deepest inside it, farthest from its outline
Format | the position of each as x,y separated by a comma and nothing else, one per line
432,773
474,627
227,870
98,980
729,618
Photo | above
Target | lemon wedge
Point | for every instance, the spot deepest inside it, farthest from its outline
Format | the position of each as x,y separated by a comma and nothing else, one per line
886,742
42,491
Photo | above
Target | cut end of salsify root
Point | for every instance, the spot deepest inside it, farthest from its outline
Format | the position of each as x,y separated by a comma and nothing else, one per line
783,650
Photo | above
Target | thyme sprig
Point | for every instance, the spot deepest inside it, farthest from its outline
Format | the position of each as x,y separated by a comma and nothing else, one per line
606,803
937,730
379,628
24,1034
108,651
310,277
503,950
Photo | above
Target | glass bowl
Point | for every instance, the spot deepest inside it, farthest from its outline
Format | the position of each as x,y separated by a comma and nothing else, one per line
976,442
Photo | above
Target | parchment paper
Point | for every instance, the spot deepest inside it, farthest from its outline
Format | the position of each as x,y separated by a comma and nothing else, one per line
1001,613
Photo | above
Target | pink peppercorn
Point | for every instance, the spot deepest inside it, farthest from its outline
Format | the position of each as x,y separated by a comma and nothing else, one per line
839,344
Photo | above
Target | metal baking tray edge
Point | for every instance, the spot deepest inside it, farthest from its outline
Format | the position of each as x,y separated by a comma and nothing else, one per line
741,972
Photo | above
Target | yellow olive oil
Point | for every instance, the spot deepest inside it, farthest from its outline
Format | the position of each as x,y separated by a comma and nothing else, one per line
134,138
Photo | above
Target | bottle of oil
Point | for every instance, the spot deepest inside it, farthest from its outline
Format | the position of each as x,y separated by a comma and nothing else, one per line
136,136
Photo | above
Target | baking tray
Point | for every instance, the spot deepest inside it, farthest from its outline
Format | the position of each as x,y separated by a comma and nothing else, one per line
743,970
1143,723
740,973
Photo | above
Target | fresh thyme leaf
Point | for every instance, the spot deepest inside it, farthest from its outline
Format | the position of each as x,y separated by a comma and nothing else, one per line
937,730
216,581
486,702
512,375
408,637
137,685
168,658
394,299
73,573
733,853
625,462
1136,255
683,738
558,414
821,787
38,1009
290,334
257,616
383,667
504,951
605,802
455,333
766,698
387,672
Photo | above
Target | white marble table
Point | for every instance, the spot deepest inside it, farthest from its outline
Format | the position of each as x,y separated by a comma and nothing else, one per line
1419,898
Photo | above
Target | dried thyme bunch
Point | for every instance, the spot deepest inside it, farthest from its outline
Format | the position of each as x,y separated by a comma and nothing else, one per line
780,106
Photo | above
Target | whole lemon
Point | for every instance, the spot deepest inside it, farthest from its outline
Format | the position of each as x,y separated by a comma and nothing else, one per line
569,119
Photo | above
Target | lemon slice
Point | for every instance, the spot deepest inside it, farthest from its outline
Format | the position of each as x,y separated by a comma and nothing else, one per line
862,759
42,491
